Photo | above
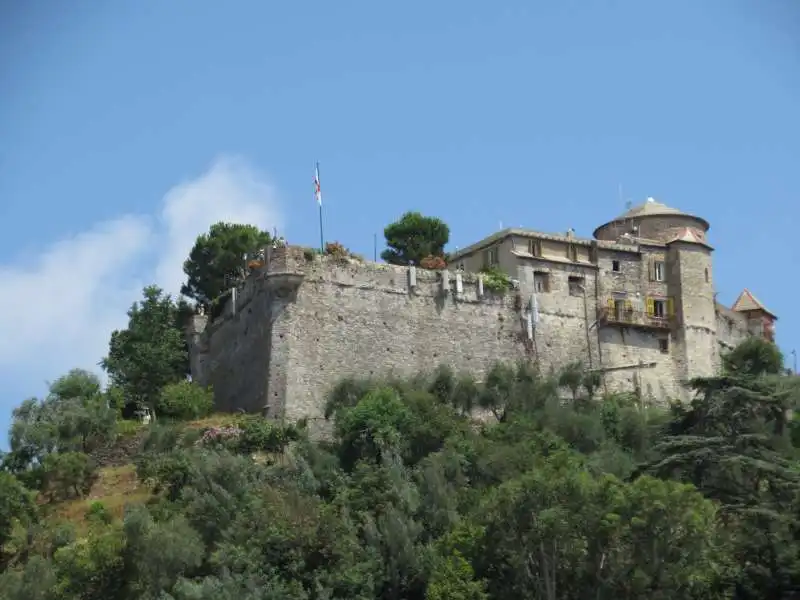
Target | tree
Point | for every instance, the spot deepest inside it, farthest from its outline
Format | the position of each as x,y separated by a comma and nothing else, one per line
734,444
414,237
151,352
75,416
68,472
218,256
754,357
16,505
557,532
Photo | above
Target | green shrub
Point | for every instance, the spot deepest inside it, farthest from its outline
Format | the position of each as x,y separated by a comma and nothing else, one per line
260,434
97,512
68,473
185,400
310,253
495,280
127,427
162,437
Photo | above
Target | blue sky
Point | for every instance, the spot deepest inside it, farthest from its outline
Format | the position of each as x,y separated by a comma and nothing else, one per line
127,127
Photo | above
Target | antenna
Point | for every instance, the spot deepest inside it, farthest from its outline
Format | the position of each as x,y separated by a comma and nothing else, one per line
628,204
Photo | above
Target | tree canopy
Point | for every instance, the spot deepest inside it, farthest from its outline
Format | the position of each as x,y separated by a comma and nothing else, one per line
413,238
218,258
560,495
151,352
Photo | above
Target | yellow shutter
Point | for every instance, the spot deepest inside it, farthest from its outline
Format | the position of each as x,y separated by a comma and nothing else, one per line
611,304
628,305
651,307
670,307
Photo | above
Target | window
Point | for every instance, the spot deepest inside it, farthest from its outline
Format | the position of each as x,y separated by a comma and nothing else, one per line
706,274
659,309
619,309
541,282
658,271
615,266
535,247
490,257
663,345
575,286
572,252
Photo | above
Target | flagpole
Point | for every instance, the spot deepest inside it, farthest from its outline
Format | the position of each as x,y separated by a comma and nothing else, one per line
319,201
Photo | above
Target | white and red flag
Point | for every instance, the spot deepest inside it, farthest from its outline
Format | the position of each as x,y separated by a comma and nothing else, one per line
317,188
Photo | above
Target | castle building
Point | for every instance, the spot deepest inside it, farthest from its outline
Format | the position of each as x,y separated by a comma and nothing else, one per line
636,303
649,275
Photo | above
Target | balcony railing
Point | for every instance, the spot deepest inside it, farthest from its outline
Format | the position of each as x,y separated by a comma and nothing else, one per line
633,318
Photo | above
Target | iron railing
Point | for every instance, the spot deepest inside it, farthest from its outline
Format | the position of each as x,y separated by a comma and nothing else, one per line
634,318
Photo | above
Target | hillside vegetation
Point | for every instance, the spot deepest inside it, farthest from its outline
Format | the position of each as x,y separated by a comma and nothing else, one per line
561,495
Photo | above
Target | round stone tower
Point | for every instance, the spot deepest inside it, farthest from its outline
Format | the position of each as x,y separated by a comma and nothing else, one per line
680,238
652,220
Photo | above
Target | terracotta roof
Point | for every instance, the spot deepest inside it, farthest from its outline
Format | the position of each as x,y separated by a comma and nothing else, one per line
691,235
747,302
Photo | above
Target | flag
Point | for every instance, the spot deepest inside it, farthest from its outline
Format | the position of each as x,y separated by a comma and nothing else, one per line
317,188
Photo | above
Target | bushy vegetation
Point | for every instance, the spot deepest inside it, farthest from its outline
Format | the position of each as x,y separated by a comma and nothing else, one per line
496,280
435,487
551,494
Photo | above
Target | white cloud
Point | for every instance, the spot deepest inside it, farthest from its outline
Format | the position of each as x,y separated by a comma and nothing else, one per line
57,312
230,191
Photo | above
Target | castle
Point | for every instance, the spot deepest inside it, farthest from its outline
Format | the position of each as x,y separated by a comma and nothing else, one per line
636,304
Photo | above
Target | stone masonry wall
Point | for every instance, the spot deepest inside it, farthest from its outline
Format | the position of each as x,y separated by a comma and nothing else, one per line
632,357
232,353
365,319
303,322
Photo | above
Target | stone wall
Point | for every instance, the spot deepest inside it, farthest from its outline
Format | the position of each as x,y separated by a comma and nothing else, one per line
732,327
119,452
289,341
303,322
659,228
367,320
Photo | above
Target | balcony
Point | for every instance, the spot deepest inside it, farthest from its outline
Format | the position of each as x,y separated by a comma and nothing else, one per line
633,318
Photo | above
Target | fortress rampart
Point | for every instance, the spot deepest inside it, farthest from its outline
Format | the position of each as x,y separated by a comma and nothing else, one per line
301,322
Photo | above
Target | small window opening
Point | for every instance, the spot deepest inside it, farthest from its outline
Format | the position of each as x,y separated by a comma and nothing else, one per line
659,309
615,266
663,345
535,247
541,282
658,271
575,286
706,274
490,257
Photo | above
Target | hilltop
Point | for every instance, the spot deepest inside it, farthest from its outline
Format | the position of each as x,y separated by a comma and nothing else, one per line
559,490
412,498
